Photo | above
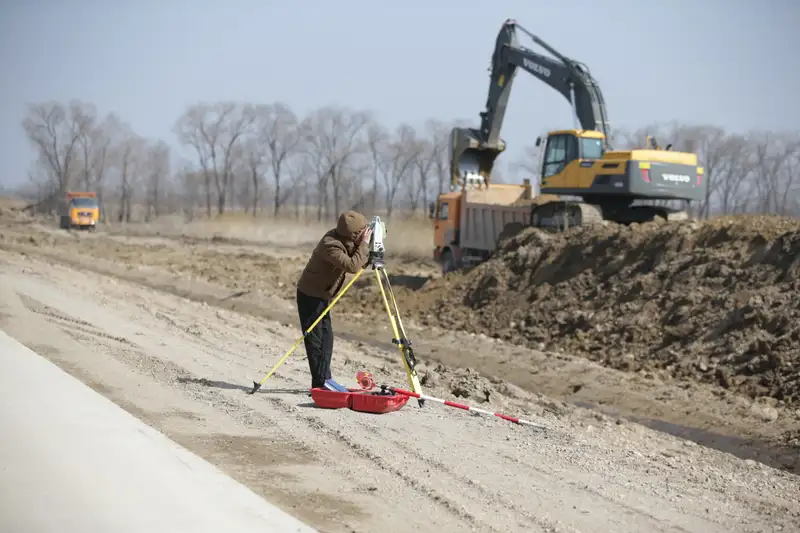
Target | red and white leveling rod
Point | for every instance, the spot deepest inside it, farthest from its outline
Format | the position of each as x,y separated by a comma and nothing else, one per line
462,406
367,383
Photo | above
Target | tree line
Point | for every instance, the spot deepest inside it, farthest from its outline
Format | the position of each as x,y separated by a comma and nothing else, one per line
265,159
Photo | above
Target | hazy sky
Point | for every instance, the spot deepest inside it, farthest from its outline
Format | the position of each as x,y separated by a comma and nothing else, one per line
729,62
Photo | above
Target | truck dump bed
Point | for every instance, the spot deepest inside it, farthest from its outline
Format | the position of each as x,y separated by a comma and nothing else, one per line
486,212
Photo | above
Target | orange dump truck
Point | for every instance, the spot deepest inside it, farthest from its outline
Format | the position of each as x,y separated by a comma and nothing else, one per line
468,224
80,210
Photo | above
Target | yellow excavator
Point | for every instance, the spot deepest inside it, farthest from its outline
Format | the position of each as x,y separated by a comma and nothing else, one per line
621,186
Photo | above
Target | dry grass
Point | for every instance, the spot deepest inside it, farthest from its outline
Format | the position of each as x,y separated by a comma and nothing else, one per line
410,237
11,202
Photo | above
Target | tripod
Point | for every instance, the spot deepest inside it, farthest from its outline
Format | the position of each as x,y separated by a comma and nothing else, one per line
398,331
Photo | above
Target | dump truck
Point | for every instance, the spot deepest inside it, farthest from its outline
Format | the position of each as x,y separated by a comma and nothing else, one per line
470,220
79,210
469,223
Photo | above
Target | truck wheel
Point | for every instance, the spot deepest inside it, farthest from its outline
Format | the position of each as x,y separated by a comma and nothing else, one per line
448,263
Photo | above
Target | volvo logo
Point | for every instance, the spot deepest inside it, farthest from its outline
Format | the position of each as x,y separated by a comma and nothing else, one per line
535,67
676,178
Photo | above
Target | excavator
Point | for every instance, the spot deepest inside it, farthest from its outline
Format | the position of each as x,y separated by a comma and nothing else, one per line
620,186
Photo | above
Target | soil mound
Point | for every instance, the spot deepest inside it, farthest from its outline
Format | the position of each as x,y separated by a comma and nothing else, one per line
717,301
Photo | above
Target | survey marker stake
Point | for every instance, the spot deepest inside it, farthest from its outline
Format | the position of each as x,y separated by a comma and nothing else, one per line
462,406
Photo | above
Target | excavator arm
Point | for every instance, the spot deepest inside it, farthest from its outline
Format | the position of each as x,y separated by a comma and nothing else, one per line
473,151
569,77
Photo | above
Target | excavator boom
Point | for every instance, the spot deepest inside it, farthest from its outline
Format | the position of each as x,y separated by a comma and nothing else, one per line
473,151
567,76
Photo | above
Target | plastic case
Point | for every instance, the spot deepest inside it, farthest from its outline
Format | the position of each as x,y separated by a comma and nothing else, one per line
360,401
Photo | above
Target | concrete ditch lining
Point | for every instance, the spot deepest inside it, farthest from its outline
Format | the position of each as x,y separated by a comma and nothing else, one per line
71,459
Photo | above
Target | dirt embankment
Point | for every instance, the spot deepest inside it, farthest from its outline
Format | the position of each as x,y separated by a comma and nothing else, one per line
239,265
715,301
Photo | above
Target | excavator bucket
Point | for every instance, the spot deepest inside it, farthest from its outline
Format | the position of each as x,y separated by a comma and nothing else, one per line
470,160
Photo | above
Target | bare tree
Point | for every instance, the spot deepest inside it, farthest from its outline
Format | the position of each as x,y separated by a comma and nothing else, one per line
438,133
56,130
102,140
771,153
774,155
129,159
425,165
279,131
421,166
713,151
157,165
732,169
86,136
790,200
377,143
301,174
255,162
191,183
336,157
214,131
333,136
246,190
403,150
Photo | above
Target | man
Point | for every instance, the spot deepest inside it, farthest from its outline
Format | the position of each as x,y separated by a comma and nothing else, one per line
342,250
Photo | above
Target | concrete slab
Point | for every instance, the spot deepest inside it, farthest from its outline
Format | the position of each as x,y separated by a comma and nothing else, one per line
72,460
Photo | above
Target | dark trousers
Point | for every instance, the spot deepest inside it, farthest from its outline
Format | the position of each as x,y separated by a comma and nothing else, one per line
319,342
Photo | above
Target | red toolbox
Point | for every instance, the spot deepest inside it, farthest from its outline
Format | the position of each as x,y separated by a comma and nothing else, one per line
357,400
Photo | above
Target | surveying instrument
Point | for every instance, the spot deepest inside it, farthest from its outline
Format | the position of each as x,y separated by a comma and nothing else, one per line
376,261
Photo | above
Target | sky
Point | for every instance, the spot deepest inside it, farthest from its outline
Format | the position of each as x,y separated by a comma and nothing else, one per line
731,63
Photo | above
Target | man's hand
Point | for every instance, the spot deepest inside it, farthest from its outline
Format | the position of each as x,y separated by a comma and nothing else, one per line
366,233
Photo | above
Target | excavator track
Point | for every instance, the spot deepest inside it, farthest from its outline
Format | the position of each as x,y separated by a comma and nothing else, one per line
678,216
562,215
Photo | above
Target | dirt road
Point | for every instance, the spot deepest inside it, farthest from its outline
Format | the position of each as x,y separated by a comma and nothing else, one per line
257,278
183,365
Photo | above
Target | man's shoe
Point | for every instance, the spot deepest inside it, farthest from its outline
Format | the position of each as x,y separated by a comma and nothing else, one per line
333,386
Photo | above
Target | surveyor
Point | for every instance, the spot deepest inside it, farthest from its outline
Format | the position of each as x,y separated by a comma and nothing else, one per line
342,250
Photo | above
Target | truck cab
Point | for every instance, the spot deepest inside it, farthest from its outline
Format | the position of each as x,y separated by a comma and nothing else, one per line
80,210
445,214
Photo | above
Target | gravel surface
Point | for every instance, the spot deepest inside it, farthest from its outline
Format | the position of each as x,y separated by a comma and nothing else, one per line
183,366
732,281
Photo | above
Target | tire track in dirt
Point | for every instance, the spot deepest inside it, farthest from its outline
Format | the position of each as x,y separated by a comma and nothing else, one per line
493,497
424,489
170,374
176,376
397,473
67,322
582,487
765,448
493,500
571,469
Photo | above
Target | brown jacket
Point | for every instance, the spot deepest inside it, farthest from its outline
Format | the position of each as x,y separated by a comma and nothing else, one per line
335,255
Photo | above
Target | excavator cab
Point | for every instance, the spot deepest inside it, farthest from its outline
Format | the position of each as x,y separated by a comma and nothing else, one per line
568,158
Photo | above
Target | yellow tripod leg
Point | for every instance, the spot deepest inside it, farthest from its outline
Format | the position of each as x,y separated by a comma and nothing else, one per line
257,384
399,339
390,293
407,350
